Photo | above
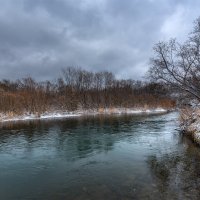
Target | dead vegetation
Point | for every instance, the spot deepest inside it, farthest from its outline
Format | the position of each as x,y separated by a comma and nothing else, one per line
80,90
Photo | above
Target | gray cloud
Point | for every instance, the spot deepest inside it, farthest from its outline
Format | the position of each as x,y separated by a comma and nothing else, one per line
40,37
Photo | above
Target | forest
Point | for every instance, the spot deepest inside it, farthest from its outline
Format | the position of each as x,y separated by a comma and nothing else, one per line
79,89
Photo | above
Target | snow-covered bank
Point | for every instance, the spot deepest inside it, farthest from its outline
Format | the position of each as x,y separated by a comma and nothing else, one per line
190,123
54,115
24,117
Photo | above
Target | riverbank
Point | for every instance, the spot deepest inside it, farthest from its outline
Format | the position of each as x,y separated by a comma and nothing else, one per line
190,123
58,114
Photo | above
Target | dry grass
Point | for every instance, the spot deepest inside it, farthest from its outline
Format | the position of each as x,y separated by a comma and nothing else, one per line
186,114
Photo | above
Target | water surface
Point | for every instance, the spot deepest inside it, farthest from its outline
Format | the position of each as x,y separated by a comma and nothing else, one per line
101,157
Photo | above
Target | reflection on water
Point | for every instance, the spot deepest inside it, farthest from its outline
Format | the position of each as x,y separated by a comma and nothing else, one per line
177,175
101,157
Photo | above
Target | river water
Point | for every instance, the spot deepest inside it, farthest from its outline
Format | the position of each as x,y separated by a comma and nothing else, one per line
101,157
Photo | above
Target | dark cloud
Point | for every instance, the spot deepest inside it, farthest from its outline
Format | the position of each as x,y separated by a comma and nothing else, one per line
39,37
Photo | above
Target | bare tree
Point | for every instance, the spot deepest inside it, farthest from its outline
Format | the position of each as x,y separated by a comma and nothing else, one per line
179,64
79,89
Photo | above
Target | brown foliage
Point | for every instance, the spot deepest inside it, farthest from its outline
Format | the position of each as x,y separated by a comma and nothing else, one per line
80,89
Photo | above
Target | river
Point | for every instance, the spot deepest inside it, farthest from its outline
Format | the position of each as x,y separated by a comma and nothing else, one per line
98,157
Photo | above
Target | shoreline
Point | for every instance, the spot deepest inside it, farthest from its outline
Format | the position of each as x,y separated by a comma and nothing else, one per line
63,115
190,123
193,136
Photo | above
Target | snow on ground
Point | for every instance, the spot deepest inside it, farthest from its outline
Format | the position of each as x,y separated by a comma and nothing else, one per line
53,115
190,122
32,117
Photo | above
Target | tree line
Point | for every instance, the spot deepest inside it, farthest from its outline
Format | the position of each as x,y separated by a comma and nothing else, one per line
79,89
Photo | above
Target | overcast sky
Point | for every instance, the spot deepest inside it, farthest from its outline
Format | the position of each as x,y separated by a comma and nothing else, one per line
39,37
